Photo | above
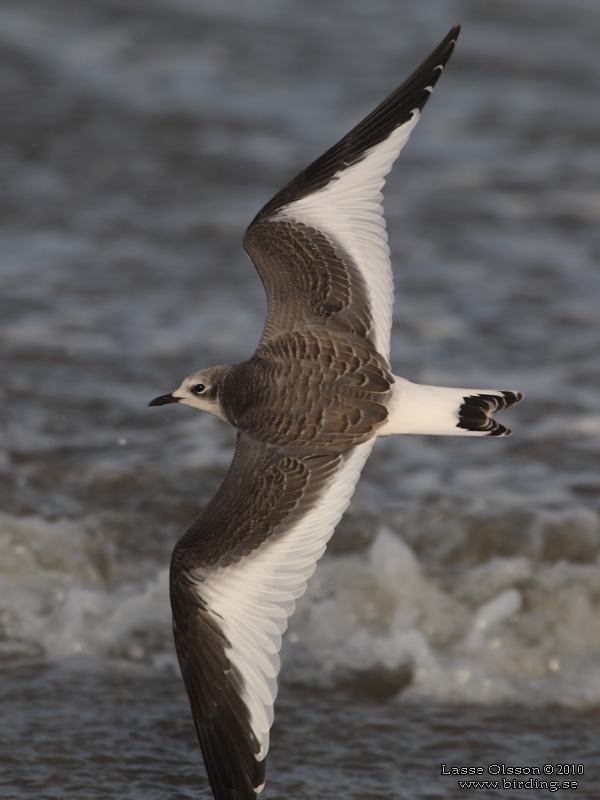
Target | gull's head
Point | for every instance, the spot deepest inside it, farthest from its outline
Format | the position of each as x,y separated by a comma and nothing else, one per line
200,390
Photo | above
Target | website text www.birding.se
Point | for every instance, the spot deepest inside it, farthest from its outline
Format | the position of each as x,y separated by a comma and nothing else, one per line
502,777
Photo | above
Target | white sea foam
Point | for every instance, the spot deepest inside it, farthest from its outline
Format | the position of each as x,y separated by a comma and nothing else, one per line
522,628
531,640
60,597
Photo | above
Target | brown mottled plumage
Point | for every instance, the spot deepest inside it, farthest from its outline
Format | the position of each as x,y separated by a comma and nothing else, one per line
308,406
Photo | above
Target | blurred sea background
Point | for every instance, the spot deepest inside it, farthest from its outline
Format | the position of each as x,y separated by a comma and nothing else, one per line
456,615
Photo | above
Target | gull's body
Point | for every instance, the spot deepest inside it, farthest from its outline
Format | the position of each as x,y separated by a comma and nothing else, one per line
308,406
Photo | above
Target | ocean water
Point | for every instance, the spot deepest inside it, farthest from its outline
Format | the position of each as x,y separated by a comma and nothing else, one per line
455,618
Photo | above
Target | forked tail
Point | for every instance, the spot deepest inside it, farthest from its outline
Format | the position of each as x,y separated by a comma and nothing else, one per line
441,410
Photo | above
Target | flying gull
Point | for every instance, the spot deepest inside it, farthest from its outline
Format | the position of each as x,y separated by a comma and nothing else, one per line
308,406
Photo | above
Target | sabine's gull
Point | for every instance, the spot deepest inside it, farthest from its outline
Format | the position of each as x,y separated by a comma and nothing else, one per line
308,406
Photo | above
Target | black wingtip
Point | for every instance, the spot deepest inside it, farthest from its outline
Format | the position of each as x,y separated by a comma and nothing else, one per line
397,109
216,692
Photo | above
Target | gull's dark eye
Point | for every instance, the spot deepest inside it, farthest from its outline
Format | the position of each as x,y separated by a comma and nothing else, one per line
198,388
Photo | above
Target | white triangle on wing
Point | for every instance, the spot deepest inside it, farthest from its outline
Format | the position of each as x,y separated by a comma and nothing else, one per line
253,598
349,211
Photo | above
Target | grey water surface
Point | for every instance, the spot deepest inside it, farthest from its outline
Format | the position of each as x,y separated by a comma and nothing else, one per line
456,616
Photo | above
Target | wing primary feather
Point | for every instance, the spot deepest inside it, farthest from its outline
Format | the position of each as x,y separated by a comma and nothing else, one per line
392,112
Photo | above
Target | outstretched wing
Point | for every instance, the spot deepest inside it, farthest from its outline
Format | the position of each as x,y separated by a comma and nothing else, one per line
320,245
235,577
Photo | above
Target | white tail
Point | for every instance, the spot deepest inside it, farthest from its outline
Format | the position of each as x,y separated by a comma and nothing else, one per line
415,408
